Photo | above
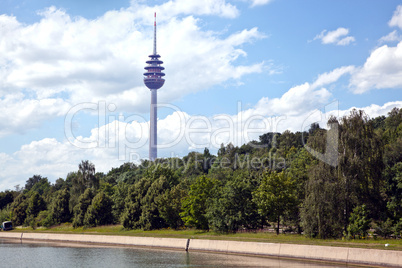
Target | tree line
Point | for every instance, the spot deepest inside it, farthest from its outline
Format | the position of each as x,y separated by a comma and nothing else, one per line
275,181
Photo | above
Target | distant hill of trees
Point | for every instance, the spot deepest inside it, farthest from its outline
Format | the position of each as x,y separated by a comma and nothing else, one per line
275,181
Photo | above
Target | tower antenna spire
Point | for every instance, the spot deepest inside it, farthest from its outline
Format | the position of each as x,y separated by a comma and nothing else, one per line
155,33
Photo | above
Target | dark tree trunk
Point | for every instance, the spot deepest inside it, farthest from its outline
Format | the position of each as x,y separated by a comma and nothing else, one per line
277,229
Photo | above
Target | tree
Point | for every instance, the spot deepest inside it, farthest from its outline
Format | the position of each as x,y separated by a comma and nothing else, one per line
100,211
322,211
360,164
169,205
232,207
60,207
35,205
84,201
32,181
275,195
6,197
133,208
18,209
150,218
120,192
196,203
86,174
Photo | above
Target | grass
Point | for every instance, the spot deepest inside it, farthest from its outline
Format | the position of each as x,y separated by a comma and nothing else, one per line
267,237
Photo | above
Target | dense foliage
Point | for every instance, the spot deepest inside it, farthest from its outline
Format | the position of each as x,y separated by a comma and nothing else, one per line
280,180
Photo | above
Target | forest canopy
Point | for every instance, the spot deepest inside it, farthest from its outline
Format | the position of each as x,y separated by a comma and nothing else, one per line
279,183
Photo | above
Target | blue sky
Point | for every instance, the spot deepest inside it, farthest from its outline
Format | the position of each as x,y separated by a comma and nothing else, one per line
71,75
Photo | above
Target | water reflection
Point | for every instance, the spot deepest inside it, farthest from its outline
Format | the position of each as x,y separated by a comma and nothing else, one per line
14,253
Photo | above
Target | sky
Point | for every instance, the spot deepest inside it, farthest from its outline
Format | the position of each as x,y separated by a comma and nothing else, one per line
71,75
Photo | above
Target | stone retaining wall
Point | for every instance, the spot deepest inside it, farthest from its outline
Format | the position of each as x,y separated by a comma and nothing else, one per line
389,258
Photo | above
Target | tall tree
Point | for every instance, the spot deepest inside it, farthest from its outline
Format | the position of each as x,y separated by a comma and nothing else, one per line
84,201
196,203
100,210
18,209
360,164
322,212
275,196
60,207
86,174
35,205
232,207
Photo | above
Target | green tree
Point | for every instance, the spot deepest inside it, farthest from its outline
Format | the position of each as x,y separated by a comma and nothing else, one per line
35,205
322,211
18,209
32,181
169,205
120,192
275,196
6,197
150,218
232,207
86,175
100,211
60,207
196,203
133,209
360,164
84,201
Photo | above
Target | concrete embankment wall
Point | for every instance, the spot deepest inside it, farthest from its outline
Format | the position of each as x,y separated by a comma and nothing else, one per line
390,258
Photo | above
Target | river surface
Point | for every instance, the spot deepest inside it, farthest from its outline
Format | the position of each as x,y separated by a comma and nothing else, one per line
14,253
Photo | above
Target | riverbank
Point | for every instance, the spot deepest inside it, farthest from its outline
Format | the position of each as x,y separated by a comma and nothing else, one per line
347,255
265,237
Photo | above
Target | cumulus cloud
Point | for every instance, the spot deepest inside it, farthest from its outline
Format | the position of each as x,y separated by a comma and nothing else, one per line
382,69
391,37
125,138
183,7
255,3
396,19
18,115
75,60
339,37
333,76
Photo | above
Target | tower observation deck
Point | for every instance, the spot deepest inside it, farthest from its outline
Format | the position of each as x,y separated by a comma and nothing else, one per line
154,80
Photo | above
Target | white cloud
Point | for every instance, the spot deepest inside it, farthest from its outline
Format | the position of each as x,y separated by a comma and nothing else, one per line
382,69
75,60
333,76
396,19
19,115
126,139
255,3
391,37
338,37
185,7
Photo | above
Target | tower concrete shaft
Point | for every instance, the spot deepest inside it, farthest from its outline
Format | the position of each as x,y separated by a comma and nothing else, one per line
154,80
153,141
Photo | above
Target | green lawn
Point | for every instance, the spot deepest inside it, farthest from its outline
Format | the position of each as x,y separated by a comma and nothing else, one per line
394,244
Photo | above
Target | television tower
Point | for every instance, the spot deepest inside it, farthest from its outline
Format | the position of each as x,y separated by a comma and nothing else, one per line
154,81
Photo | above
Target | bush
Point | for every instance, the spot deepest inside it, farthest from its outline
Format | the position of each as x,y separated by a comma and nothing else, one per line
359,223
45,219
384,228
397,229
5,214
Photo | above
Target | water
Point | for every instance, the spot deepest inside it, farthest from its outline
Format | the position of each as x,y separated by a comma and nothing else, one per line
13,253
